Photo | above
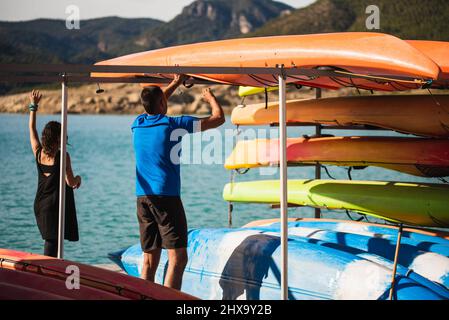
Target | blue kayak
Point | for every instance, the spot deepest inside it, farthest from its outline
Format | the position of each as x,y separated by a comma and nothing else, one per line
424,241
417,251
245,264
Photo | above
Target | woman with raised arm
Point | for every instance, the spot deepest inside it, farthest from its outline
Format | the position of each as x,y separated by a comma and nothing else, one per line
46,203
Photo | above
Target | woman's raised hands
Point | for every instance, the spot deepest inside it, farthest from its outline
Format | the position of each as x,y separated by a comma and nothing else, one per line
35,97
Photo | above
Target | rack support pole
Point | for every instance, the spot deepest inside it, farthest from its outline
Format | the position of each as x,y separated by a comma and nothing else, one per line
396,260
62,170
318,132
283,184
230,209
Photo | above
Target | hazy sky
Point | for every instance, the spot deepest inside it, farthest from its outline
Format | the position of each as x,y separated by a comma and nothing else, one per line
17,10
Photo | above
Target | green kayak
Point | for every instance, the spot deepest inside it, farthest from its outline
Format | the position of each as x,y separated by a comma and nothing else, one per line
409,203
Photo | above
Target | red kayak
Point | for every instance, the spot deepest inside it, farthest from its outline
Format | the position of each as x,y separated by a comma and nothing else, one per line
29,286
27,276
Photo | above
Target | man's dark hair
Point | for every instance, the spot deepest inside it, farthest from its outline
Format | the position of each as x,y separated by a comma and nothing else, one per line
151,97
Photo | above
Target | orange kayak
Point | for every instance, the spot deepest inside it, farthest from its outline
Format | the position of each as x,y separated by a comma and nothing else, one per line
419,115
32,276
374,54
438,51
415,156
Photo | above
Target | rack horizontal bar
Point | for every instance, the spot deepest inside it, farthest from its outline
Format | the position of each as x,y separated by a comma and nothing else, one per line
87,79
278,206
77,68
336,127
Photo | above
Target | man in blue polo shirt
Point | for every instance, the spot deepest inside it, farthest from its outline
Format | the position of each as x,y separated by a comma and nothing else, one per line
161,216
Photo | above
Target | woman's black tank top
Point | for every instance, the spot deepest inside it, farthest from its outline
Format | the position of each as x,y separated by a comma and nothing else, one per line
46,203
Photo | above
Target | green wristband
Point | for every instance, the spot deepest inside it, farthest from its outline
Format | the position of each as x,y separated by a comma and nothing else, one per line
33,107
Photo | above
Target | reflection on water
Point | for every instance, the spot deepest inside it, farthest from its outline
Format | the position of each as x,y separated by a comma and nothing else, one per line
101,152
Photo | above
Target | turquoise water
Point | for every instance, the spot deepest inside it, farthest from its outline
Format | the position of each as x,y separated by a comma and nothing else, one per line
101,152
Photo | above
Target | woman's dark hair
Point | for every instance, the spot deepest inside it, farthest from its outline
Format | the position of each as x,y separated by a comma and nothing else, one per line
151,97
51,138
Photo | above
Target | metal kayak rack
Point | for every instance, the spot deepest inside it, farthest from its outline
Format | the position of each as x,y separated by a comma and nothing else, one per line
66,74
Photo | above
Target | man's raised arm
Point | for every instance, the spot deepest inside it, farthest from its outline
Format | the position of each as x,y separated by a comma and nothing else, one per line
217,117
177,81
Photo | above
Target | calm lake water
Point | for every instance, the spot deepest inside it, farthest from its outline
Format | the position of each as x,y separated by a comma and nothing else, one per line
102,153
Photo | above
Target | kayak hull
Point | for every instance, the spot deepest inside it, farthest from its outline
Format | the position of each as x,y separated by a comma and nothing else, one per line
408,203
249,91
46,278
233,264
417,234
361,53
425,255
426,116
438,52
19,285
415,156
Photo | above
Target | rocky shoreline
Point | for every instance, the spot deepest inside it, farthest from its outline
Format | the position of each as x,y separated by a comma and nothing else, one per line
125,99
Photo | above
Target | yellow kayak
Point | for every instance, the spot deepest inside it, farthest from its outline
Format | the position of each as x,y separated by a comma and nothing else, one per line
249,91
409,203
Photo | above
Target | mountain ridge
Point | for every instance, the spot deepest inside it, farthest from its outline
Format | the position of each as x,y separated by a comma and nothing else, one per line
350,15
48,41
217,20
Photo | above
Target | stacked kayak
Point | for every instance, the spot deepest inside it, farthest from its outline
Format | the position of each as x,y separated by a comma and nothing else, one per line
437,51
426,156
365,60
324,264
249,91
419,157
426,116
428,237
424,252
418,115
419,204
407,203
26,276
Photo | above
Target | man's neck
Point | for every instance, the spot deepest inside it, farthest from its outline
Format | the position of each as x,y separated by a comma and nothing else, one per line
154,114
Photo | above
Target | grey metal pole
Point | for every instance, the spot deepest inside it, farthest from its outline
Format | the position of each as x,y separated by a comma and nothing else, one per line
62,172
396,261
230,209
284,189
318,95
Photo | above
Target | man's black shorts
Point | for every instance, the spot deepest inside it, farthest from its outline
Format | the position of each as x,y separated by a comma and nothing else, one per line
162,223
